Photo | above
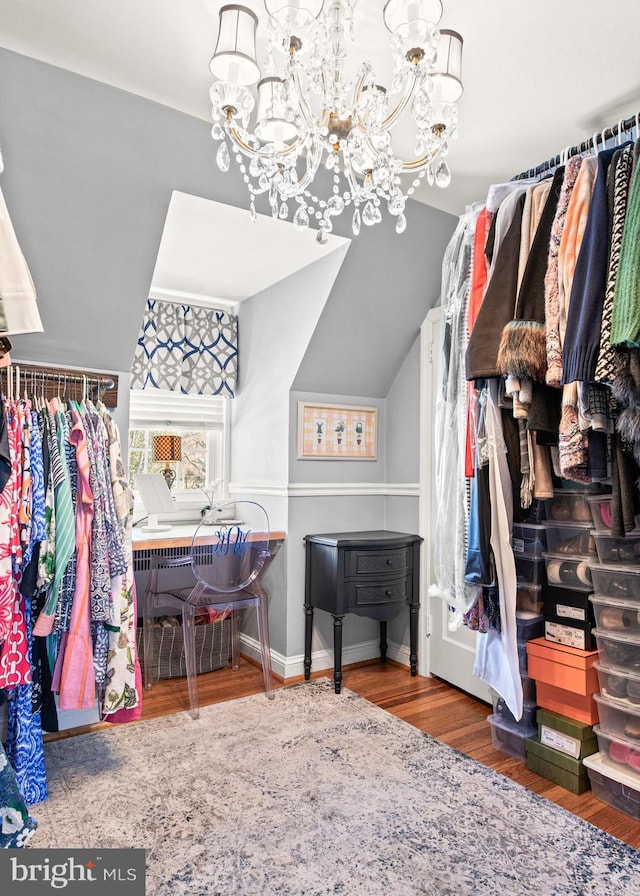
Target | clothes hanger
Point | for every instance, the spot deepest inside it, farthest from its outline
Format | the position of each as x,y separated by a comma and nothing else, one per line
594,142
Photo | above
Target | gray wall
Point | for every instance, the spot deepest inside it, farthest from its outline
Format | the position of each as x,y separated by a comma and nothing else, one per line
89,172
387,284
402,433
275,328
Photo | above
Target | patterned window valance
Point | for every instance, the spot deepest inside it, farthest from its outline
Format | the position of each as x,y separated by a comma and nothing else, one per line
187,349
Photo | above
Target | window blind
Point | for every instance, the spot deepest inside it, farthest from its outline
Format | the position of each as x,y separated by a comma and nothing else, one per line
164,408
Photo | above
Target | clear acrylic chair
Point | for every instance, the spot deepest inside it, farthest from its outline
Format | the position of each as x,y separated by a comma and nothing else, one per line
228,552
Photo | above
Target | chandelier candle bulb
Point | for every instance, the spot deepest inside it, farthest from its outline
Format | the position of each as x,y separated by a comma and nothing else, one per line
310,113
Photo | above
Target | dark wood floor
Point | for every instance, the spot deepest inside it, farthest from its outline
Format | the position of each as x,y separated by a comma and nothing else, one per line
429,704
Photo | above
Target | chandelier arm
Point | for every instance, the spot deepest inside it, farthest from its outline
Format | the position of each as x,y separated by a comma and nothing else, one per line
393,116
417,164
309,176
309,118
252,152
414,165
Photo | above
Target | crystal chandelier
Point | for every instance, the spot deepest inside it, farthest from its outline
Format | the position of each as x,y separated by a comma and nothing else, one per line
313,113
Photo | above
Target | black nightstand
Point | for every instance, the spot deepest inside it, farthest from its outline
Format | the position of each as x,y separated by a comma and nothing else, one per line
373,574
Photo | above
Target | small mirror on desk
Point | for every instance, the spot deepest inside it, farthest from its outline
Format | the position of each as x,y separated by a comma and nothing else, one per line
156,498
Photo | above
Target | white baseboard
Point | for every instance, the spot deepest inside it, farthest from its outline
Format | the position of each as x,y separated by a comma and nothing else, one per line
291,666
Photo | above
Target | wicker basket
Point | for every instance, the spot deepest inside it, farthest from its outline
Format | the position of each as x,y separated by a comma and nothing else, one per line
213,648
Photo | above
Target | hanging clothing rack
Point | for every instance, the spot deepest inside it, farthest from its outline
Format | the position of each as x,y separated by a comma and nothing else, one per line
52,382
623,125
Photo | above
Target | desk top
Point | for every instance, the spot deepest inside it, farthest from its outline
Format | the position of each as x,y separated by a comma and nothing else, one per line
181,535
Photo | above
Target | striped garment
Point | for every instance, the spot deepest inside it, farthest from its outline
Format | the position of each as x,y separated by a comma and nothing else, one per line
605,367
65,520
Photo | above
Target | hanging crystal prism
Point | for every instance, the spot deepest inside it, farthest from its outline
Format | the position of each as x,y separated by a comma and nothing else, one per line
283,214
222,157
301,219
356,222
401,223
443,175
335,205
369,214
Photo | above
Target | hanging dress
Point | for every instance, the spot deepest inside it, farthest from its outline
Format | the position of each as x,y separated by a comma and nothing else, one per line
122,701
77,677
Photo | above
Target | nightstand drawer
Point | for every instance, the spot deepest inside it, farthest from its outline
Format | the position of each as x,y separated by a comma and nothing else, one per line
360,594
375,562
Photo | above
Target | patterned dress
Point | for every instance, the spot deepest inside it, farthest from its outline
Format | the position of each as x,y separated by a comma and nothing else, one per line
16,825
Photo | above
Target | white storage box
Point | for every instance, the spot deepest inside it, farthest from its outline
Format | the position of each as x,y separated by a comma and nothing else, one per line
613,784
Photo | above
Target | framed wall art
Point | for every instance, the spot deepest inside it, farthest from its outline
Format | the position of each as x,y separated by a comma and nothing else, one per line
336,432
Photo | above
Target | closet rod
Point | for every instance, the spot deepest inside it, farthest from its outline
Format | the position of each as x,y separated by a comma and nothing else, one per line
57,376
619,128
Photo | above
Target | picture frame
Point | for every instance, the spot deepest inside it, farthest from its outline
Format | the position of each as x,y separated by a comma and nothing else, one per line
337,431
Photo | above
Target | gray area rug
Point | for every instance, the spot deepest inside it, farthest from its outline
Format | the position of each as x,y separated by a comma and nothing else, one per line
311,794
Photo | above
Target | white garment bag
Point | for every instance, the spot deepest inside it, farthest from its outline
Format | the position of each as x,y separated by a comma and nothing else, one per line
497,652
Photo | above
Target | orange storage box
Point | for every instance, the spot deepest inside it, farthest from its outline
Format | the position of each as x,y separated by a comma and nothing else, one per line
563,667
579,707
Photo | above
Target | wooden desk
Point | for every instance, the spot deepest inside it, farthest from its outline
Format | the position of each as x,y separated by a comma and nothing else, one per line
373,574
177,543
181,536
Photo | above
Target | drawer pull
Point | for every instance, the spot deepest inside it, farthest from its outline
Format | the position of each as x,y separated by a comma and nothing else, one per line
388,593
388,561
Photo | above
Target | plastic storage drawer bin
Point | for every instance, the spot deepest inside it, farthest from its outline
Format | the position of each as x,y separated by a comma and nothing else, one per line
528,625
571,538
600,507
569,571
510,740
619,717
528,687
616,581
614,615
529,570
529,598
568,506
616,786
613,549
619,684
522,659
529,538
619,749
618,650
528,721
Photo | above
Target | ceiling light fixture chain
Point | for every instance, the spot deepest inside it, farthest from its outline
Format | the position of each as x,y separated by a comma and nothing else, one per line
313,112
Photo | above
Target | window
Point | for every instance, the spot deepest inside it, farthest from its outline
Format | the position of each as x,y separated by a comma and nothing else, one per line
201,421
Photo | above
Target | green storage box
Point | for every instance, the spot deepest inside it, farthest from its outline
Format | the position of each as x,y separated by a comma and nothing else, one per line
557,766
575,739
